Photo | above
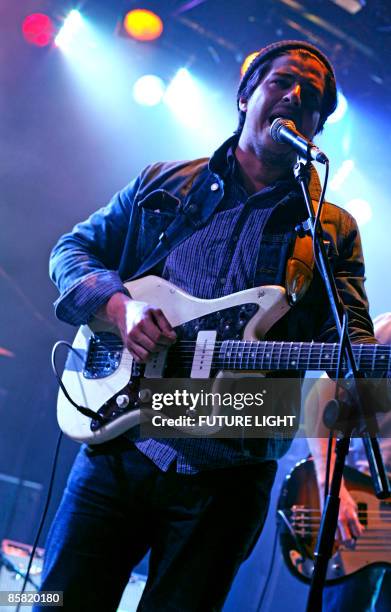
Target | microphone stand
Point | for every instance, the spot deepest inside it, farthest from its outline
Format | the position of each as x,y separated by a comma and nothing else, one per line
368,427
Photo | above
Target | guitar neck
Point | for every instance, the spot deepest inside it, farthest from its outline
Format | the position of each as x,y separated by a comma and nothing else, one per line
249,355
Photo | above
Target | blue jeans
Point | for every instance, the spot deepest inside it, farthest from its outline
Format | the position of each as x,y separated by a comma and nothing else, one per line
359,593
118,505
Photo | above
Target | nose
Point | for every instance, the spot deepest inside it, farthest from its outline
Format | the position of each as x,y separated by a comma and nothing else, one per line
293,96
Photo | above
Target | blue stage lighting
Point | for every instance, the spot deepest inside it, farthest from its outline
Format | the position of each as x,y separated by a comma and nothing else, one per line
340,111
148,90
184,97
341,174
360,209
71,27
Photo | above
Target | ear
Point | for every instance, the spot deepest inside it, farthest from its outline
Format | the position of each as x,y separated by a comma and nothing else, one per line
243,104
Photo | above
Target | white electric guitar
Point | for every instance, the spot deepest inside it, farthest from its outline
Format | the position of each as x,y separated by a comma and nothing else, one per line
216,335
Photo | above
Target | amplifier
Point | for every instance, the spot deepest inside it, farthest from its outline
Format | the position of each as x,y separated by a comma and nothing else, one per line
15,558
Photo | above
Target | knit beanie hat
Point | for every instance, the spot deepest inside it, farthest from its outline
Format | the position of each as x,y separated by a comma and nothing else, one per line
278,48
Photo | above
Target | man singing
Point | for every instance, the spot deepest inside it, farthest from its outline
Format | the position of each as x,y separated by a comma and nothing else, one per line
212,227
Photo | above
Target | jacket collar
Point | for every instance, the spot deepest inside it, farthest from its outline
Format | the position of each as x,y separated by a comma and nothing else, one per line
218,165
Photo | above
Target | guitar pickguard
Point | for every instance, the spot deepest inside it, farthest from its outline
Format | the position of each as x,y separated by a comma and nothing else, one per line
105,349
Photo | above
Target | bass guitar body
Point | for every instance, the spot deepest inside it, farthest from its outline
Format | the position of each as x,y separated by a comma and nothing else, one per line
299,516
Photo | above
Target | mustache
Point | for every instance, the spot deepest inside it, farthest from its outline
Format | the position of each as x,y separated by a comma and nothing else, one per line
286,114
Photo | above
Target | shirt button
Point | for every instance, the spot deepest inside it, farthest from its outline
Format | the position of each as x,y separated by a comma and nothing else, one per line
214,187
193,208
235,238
223,281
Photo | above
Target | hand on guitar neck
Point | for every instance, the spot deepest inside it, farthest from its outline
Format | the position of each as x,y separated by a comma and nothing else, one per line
144,329
348,523
349,526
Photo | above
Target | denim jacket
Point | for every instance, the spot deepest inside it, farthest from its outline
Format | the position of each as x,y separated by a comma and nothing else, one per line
134,233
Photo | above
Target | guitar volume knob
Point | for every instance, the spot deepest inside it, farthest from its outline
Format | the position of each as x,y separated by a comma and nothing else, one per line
145,396
122,401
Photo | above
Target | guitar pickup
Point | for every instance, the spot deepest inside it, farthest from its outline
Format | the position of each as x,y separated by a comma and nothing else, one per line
154,368
203,354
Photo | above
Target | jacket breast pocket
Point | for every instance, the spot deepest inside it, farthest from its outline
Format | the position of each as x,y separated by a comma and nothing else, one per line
273,255
157,210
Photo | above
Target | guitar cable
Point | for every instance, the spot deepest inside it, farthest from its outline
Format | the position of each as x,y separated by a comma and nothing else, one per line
86,411
328,465
43,517
270,570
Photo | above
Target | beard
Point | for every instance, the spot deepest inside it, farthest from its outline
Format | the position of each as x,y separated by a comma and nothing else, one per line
273,158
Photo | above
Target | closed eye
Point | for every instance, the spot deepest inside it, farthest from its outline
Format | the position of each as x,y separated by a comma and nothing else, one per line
283,83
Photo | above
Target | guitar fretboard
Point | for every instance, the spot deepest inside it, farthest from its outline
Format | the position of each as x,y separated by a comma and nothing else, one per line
248,355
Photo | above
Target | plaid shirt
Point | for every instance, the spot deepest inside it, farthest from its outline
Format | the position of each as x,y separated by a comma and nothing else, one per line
218,259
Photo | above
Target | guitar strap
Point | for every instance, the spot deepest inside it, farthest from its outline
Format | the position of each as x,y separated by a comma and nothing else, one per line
300,266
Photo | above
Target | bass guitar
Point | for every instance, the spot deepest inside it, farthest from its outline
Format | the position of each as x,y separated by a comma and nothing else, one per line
299,516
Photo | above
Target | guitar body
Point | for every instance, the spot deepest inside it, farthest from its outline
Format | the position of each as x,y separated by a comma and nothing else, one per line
214,337
100,373
299,515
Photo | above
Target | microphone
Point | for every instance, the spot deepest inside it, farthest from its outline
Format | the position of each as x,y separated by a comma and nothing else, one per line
284,131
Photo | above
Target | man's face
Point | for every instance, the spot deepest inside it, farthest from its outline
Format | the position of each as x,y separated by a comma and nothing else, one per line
292,88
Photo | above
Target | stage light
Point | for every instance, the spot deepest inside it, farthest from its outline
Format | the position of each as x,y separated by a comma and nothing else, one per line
248,61
38,29
351,6
143,25
360,209
72,25
340,111
183,96
341,174
148,90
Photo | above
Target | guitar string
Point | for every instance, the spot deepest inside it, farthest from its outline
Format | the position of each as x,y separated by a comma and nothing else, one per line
290,345
375,542
287,345
275,350
190,358
313,509
252,351
118,340
317,522
312,363
360,512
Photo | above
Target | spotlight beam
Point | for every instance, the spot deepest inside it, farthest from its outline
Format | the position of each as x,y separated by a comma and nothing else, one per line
72,24
187,6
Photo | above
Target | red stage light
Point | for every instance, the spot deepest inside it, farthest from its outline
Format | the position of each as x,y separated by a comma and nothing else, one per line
143,25
38,29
